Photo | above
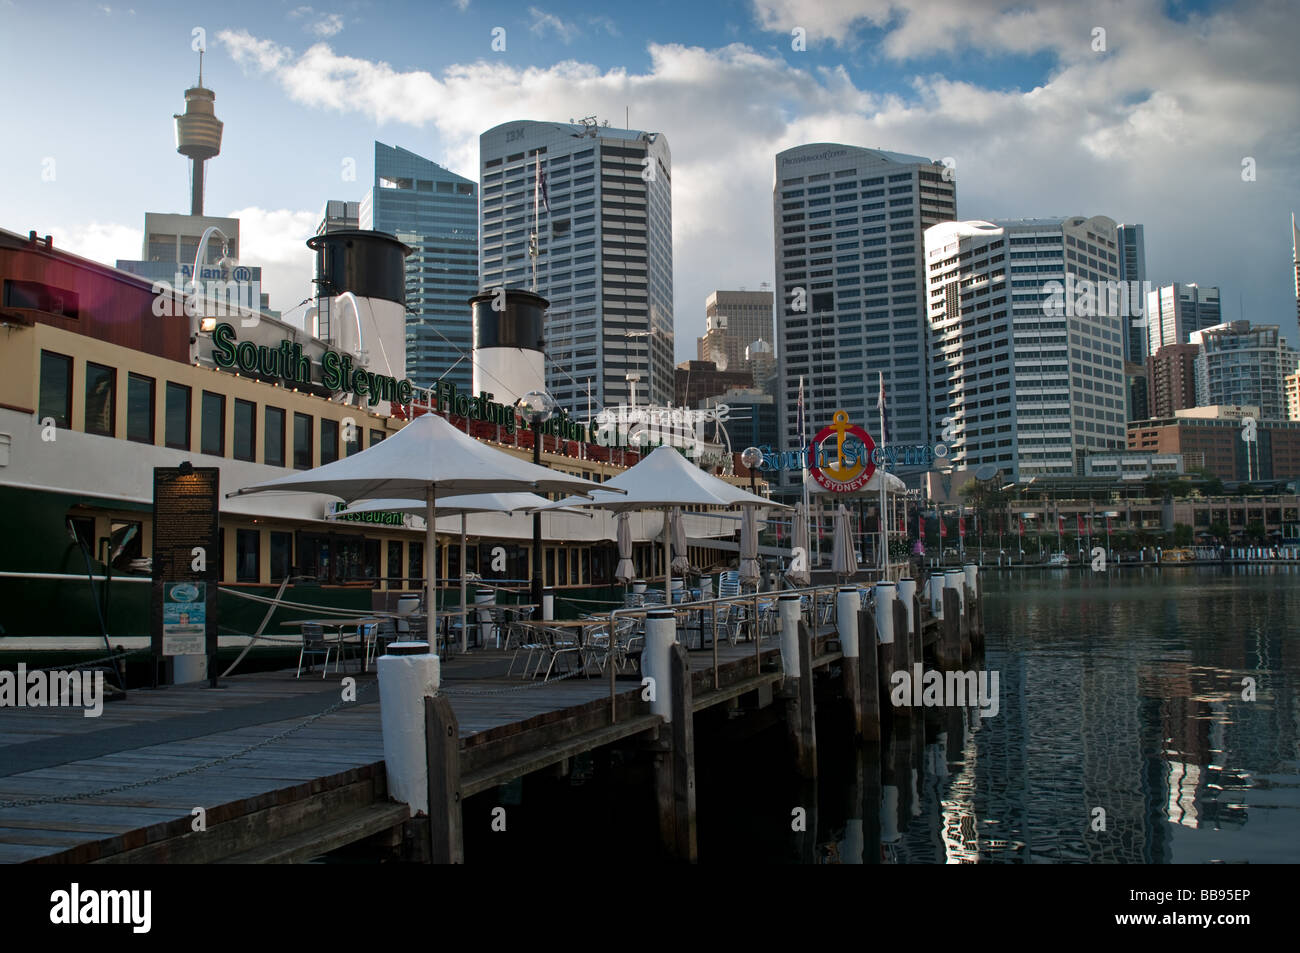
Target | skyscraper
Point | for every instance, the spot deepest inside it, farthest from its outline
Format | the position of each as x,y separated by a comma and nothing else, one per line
339,215
435,212
1133,269
1026,372
1172,373
1295,260
850,280
1175,311
599,200
1243,364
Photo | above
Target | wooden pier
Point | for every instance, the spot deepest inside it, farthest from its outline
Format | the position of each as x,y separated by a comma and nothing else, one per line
269,768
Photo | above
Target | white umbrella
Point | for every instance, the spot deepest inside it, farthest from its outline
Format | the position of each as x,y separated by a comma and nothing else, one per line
801,576
844,561
427,460
626,570
461,506
681,559
749,569
664,479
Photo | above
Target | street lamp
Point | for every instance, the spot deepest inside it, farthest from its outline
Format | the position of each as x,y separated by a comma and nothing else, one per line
226,262
751,457
537,407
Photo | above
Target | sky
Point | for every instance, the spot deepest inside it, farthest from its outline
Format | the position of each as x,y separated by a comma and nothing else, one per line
1181,116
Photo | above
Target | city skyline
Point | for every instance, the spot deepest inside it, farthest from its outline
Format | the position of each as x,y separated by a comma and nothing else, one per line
1120,130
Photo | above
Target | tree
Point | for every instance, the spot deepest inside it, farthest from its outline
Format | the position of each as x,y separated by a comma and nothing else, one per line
1182,534
1255,531
1219,530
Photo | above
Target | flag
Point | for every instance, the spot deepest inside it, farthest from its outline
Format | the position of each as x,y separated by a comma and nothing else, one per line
920,525
880,406
1020,527
1060,523
961,527
943,527
902,526
539,187
1079,522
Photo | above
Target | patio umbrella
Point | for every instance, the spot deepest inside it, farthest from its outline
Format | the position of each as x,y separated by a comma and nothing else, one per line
844,562
749,570
663,480
462,506
625,572
427,460
800,577
681,560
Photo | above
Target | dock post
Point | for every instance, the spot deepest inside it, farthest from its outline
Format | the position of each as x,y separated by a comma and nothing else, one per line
442,755
886,598
902,653
796,661
949,654
847,604
407,675
974,607
683,757
869,690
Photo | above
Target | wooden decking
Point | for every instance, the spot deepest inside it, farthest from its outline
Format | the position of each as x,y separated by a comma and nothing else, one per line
284,770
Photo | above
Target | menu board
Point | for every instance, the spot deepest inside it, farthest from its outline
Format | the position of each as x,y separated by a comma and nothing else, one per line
186,561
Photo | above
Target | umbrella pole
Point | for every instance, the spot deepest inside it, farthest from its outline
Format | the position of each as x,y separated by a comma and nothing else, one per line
464,615
668,562
431,568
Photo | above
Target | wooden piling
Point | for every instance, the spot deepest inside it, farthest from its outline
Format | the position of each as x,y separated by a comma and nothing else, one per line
918,630
948,648
799,712
902,655
868,670
442,754
963,624
683,757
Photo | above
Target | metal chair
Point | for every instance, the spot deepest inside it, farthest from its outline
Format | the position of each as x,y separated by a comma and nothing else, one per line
385,631
314,643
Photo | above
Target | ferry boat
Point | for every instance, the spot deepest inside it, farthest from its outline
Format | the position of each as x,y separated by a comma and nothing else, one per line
99,385
1059,561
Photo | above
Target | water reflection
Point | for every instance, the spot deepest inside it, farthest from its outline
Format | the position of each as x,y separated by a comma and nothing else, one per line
1127,732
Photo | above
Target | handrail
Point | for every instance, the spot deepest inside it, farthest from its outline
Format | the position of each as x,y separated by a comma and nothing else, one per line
744,600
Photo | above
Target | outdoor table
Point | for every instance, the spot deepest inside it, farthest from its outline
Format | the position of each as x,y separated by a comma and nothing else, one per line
338,624
580,625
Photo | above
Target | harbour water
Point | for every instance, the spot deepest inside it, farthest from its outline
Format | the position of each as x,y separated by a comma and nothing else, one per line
1127,693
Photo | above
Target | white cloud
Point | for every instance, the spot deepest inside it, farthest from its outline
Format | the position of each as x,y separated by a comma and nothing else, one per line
104,242
276,240
462,5
1151,132
544,22
323,25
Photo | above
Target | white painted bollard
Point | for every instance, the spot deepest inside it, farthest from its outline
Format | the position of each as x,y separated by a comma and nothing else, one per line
907,593
788,615
934,585
847,605
638,587
548,605
955,579
404,682
886,592
972,578
189,668
656,659
706,587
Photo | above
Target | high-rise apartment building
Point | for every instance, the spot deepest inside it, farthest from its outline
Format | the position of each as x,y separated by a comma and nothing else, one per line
1174,311
1133,271
435,212
1172,375
1238,363
599,200
1026,372
1291,384
1295,261
850,284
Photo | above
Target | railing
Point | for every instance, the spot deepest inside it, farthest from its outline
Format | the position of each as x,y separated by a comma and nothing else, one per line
751,601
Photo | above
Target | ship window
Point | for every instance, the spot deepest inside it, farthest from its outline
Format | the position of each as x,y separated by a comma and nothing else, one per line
212,430
177,433
329,440
376,436
302,442
247,544
281,555
415,555
245,430
56,388
84,527
139,408
273,455
351,440
101,393
125,545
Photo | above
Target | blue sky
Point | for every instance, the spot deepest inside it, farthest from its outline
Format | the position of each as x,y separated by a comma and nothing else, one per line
1152,129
